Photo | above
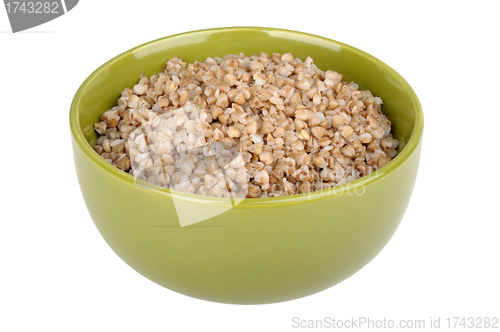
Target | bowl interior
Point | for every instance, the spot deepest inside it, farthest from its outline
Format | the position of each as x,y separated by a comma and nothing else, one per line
102,89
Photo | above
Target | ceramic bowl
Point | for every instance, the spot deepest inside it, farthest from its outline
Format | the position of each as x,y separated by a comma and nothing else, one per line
262,250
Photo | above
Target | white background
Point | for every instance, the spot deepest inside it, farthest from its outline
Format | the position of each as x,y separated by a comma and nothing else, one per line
58,274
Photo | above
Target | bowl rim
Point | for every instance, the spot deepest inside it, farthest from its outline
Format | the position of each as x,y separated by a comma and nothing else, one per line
349,187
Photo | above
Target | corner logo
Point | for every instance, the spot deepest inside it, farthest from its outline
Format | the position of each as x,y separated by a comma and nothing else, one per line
28,14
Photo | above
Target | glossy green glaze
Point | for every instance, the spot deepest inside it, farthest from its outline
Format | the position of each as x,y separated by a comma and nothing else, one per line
263,250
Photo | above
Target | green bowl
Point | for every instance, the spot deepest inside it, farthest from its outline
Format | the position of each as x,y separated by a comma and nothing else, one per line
262,250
